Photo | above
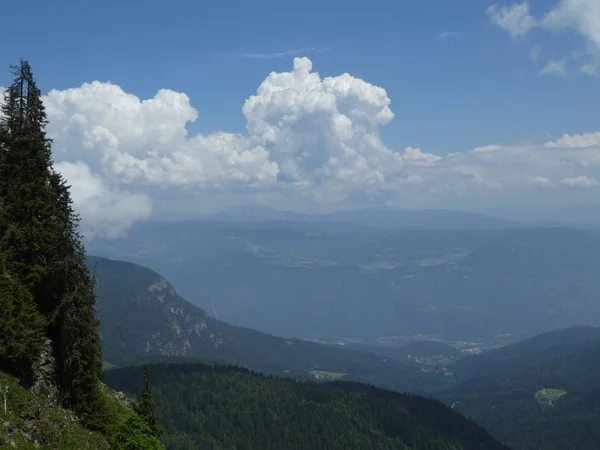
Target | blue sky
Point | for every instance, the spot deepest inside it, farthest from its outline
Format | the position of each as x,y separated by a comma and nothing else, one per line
459,75
448,94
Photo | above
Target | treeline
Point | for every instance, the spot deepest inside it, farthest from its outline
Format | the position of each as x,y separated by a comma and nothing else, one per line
219,408
49,332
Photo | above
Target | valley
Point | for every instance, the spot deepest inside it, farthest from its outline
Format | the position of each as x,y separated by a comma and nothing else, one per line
536,381
333,282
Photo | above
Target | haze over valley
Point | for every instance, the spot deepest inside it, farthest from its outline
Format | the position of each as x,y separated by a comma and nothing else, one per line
443,275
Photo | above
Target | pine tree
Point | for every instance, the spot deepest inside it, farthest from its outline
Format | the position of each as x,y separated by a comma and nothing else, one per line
43,251
28,203
147,407
21,327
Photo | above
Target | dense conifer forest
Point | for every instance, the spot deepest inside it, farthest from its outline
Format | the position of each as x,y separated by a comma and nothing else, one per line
226,407
542,394
49,332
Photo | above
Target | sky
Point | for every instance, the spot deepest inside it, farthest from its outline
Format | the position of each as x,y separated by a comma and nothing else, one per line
168,109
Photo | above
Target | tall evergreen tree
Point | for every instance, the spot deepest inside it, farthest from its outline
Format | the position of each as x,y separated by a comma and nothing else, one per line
43,251
147,407
21,326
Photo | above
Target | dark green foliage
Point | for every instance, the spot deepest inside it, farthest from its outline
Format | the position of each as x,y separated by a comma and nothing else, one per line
135,434
45,286
499,391
22,327
205,407
30,423
147,407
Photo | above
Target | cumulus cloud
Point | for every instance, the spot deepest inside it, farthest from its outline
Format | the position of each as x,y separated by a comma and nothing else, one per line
585,140
303,131
105,211
581,16
311,143
516,19
418,157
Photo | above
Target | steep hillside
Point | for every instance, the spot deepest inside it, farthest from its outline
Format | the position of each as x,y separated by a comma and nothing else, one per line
310,280
31,422
142,315
543,393
204,407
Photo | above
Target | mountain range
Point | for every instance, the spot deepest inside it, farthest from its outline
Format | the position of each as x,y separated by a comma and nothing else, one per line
142,315
315,280
540,393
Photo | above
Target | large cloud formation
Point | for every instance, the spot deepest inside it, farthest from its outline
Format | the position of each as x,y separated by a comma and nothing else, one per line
307,137
310,143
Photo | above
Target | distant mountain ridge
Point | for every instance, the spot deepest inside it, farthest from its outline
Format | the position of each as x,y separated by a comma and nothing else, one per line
380,217
313,281
142,315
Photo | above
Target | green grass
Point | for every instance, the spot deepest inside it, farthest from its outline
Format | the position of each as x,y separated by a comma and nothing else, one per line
324,375
549,396
29,419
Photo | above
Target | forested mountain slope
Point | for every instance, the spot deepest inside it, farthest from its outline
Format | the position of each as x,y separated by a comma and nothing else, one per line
218,408
142,315
543,393
514,356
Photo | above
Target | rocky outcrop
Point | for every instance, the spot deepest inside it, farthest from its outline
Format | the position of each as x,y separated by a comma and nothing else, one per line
44,382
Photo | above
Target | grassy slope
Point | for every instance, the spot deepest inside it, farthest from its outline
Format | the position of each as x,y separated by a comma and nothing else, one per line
29,420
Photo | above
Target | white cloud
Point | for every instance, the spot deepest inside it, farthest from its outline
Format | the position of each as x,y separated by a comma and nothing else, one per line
581,16
418,157
556,68
307,136
105,211
146,141
585,140
516,19
580,181
311,143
